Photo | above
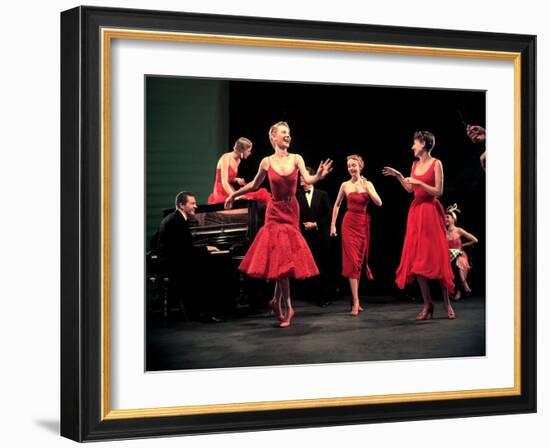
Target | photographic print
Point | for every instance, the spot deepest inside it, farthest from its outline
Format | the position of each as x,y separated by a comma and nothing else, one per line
271,223
299,223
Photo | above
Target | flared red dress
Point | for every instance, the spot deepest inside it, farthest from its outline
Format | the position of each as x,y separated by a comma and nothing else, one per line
279,249
425,251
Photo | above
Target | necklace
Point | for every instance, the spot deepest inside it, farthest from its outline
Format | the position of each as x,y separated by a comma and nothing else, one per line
356,185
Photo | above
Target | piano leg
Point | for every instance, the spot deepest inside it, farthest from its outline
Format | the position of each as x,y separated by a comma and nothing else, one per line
165,294
243,301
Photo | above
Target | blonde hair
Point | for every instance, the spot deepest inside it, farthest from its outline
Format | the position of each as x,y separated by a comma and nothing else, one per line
242,144
358,159
452,210
273,128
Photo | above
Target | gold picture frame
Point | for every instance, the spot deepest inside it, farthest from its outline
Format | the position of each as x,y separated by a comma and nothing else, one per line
89,47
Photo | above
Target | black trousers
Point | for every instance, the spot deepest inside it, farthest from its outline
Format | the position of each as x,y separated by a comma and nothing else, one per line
318,289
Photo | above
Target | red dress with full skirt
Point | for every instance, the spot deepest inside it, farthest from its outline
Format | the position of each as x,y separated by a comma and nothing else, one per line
279,249
425,250
220,195
356,236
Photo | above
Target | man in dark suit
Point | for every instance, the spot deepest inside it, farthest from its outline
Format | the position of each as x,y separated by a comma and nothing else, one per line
315,215
181,260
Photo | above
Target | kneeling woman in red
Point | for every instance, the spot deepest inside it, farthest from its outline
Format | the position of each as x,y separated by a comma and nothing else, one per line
425,254
358,192
226,174
279,250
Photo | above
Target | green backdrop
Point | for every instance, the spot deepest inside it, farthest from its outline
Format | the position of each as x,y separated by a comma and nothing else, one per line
186,131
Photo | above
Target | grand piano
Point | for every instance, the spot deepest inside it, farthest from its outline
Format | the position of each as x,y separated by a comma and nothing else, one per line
230,231
221,238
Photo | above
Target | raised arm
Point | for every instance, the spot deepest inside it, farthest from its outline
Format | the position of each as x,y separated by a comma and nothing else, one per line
250,186
389,171
336,209
471,238
224,169
324,168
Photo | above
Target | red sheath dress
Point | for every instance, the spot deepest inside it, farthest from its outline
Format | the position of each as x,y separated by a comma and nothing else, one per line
356,236
279,249
425,249
219,194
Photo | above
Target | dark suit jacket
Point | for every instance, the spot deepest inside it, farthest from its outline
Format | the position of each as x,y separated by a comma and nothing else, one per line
175,243
319,212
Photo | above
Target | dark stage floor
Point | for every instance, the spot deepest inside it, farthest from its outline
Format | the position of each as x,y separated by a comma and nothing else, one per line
384,331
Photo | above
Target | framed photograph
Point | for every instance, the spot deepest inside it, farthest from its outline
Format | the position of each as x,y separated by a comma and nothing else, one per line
274,223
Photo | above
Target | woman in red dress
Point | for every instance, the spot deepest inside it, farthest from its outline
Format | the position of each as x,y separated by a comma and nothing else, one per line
226,174
279,250
425,254
358,192
456,249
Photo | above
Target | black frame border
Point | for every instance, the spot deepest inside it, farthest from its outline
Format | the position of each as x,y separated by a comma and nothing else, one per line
81,223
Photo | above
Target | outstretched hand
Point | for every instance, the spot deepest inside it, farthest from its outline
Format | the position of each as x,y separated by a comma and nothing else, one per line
389,171
324,168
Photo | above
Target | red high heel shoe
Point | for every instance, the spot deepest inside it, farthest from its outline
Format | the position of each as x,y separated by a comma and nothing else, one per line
286,322
354,312
423,315
275,310
450,312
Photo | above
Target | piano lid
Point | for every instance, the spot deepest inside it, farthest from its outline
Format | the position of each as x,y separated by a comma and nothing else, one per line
213,224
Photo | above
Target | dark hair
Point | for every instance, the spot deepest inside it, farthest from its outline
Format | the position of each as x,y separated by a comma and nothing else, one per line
310,170
427,138
182,197
242,144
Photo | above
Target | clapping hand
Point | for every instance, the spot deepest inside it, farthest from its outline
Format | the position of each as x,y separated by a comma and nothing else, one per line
412,181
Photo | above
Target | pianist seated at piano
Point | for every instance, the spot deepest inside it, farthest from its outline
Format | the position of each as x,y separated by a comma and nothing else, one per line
181,259
226,181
